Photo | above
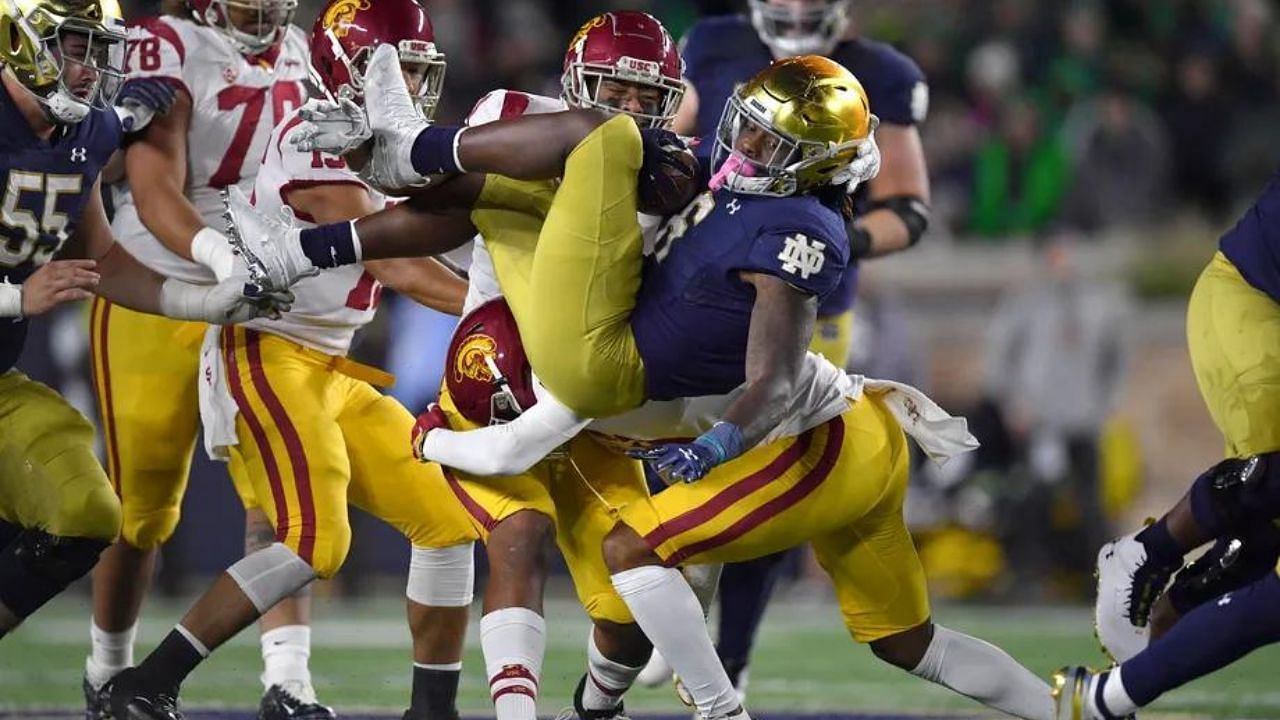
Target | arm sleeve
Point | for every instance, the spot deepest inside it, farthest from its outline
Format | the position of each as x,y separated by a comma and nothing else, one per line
511,448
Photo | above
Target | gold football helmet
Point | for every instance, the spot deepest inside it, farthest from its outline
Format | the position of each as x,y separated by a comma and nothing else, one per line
795,127
32,48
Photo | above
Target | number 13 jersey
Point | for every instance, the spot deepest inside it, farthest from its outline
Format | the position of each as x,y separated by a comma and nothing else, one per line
235,102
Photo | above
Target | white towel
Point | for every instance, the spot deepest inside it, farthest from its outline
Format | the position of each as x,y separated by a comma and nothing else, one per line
941,435
217,407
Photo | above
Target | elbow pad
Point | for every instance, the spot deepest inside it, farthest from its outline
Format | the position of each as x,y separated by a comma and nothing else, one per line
912,210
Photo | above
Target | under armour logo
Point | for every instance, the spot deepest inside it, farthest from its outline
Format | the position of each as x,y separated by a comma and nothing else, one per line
79,154
733,206
1224,600
802,255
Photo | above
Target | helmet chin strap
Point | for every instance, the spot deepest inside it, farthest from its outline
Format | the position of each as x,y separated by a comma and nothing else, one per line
65,108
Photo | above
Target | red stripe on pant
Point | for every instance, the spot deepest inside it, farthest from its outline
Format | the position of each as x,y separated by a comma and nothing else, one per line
292,444
106,406
732,494
771,509
473,508
256,430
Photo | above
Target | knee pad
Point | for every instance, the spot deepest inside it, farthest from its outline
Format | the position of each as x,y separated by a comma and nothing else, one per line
36,566
271,574
1238,495
442,577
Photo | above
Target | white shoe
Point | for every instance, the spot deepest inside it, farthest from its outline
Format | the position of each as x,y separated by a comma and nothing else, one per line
656,672
1075,693
394,120
269,246
1128,585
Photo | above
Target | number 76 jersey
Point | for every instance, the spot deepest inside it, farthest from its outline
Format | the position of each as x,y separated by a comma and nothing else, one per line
235,103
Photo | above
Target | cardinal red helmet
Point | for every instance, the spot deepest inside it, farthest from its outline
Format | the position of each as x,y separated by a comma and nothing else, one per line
346,33
270,21
488,374
629,46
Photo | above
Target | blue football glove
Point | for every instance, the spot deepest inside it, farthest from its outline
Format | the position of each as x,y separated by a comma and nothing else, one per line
141,99
690,461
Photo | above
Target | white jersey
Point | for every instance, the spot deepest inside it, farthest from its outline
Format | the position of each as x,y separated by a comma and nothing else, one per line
327,308
502,105
235,102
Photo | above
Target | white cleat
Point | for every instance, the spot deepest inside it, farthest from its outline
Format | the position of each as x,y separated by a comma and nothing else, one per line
1075,695
1128,585
394,120
269,246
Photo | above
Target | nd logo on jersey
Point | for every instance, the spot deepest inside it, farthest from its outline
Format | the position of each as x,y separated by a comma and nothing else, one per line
802,255
472,359
340,15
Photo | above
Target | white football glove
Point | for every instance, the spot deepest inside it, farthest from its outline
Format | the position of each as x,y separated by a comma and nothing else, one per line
866,163
234,300
334,128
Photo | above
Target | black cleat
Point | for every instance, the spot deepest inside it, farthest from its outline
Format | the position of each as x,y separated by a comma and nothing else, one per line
280,704
97,702
131,699
613,713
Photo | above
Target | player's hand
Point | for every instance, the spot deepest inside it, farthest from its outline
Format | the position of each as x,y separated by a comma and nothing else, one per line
431,419
232,301
141,99
334,128
866,163
685,462
58,282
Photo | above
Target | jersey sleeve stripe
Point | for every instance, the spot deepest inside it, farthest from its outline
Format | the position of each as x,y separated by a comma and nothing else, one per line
820,471
101,372
292,442
292,185
472,506
724,500
256,429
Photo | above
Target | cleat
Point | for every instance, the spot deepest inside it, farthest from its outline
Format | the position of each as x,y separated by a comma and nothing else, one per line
1075,693
293,703
615,713
268,246
97,701
395,120
1128,586
131,699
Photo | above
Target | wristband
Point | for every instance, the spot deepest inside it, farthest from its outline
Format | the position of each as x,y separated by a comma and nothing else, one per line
724,439
211,249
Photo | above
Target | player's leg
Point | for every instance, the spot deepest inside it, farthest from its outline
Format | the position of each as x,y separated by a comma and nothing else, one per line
294,455
149,438
1210,637
880,585
745,590
57,509
414,498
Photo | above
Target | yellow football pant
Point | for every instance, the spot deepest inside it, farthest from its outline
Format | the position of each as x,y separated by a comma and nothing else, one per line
313,439
579,490
833,337
1233,333
49,477
573,298
840,486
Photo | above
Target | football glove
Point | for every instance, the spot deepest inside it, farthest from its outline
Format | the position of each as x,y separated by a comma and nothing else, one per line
334,128
431,419
141,99
866,162
690,461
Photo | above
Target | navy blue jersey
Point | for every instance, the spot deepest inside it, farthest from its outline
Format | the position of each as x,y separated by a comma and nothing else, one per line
724,51
693,310
46,185
1253,245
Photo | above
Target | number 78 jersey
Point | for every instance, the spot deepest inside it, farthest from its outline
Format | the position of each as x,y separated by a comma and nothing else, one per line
235,103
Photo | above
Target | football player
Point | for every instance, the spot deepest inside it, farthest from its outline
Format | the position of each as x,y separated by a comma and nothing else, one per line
722,52
309,433
239,67
1233,333
62,67
709,318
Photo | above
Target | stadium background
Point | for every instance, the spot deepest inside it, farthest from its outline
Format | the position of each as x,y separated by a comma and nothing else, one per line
1084,158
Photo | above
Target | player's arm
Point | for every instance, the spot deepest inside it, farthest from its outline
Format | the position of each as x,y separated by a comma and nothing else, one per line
127,282
898,209
498,450
156,166
686,121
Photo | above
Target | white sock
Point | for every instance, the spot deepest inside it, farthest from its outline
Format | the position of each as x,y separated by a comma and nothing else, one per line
111,653
984,672
1115,696
514,641
606,680
285,651
667,610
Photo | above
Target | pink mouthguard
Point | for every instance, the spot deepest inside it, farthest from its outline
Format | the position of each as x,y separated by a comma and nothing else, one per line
735,163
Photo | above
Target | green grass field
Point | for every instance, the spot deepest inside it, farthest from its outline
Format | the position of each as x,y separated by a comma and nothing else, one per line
805,663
